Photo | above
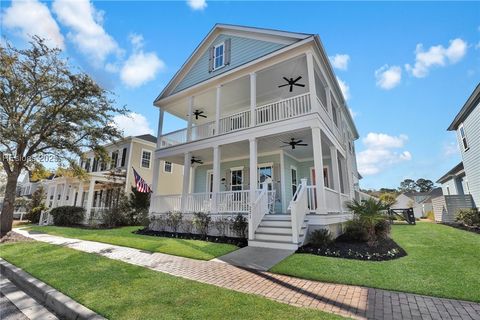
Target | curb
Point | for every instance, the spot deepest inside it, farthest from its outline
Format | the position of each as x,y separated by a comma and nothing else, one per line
61,304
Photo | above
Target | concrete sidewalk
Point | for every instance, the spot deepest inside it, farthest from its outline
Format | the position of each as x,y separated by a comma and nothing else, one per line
350,301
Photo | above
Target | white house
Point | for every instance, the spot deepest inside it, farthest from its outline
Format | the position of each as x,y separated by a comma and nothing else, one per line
104,180
268,134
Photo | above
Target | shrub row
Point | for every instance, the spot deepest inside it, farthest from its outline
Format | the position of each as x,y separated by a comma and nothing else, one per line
468,217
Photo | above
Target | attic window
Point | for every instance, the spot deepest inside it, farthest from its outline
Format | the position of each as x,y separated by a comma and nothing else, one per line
219,56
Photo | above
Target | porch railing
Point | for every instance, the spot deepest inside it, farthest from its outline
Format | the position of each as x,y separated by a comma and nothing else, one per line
234,122
331,200
258,211
283,109
233,201
299,208
312,198
203,131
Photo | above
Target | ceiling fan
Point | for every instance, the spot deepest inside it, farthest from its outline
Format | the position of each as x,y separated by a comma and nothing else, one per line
194,160
199,113
294,143
291,83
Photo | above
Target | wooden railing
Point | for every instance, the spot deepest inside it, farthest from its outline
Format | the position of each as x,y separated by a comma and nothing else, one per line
233,201
257,212
234,122
283,109
299,208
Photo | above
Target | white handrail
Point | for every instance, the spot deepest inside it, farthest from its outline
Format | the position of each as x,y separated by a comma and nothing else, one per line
236,121
258,210
283,109
299,207
203,131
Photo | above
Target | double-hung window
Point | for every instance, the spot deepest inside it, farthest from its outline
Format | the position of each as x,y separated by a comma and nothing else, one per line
265,174
219,56
167,167
294,180
463,136
146,157
236,179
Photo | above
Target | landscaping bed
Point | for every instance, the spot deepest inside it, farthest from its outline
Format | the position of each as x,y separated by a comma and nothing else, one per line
474,229
386,249
239,242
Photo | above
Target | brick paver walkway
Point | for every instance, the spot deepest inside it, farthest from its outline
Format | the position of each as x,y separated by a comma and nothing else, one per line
351,301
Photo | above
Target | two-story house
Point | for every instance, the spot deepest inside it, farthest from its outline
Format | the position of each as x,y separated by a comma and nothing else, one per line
268,134
105,180
461,185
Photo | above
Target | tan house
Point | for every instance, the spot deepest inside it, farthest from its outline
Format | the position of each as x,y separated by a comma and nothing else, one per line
104,180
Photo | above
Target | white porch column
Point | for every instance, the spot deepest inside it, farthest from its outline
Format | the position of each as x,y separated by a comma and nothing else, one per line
189,125
253,183
217,110
63,195
311,82
80,195
336,174
216,176
283,181
55,196
253,98
88,209
155,172
186,179
160,128
318,164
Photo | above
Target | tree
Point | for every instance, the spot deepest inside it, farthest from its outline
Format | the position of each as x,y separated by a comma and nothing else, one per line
49,112
36,205
408,185
389,199
424,185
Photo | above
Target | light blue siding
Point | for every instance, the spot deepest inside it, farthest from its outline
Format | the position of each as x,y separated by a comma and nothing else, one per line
471,157
243,50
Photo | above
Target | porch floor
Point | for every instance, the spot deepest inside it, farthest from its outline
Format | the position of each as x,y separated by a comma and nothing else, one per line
255,258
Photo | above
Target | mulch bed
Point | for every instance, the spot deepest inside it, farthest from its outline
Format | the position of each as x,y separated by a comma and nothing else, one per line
385,250
239,242
463,227
14,237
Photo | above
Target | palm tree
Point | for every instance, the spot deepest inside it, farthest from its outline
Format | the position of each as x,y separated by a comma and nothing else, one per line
368,213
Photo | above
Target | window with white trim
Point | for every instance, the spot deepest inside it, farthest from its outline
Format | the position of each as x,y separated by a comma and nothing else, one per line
146,157
265,172
236,178
167,167
219,56
294,180
463,136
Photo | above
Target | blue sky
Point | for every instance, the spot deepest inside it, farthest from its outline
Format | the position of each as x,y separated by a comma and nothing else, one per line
401,112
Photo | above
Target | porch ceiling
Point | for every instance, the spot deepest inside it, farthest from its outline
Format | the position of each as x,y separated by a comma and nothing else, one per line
266,145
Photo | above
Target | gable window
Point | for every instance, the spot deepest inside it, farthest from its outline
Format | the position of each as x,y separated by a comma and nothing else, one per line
463,137
146,156
219,56
167,167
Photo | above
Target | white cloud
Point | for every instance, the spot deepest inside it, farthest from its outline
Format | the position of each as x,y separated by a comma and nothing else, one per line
450,149
132,124
388,77
87,32
31,17
345,88
140,67
340,61
381,153
197,4
436,56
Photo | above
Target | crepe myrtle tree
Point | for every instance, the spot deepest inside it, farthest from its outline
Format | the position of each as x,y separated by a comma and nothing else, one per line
49,111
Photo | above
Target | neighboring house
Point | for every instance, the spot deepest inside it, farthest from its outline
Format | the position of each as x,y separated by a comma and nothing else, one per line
105,180
456,195
421,202
26,187
268,135
467,126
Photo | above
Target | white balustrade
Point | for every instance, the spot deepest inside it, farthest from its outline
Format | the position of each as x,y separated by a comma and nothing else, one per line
299,208
203,131
283,109
233,201
258,211
174,138
198,202
331,200
312,198
236,121
344,199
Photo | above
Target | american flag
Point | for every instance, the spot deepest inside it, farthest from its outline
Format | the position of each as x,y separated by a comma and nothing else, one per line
142,186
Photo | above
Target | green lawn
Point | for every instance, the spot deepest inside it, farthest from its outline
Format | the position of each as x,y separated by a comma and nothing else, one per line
442,261
195,249
118,290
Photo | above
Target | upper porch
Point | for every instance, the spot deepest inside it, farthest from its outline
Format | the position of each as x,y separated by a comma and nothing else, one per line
284,90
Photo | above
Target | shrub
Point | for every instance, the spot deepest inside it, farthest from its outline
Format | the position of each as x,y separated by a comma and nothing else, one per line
67,215
354,231
158,222
187,226
33,215
239,226
113,217
222,224
469,217
36,206
320,238
368,215
201,221
430,215
174,219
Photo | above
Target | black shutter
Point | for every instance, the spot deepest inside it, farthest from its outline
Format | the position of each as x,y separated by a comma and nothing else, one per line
124,156
228,46
210,59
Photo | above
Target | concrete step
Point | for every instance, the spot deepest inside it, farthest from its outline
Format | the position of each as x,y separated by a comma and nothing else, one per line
275,223
273,244
273,237
277,217
277,229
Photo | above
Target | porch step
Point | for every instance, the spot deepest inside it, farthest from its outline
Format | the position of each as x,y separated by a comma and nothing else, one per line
273,244
277,229
277,217
278,223
283,237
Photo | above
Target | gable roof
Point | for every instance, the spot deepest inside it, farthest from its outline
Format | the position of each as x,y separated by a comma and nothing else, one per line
467,108
452,173
147,137
218,28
